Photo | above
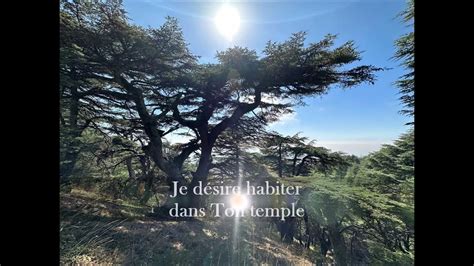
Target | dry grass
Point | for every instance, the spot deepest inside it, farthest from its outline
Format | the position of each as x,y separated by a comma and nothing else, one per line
99,231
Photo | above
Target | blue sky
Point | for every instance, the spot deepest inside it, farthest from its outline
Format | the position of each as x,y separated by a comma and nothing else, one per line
356,120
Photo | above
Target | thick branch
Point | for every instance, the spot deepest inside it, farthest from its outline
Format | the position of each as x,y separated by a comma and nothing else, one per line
240,111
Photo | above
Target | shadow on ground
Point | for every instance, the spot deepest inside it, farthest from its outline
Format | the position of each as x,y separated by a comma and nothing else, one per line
101,231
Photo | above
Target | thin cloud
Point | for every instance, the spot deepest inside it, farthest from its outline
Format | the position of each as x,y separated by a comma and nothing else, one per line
355,147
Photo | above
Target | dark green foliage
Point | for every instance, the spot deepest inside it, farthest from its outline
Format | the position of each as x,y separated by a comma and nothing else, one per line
371,205
389,170
406,53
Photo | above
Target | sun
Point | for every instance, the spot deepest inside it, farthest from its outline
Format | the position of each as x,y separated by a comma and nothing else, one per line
227,21
239,202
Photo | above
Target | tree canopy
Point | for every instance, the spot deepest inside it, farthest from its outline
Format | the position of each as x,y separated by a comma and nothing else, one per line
147,84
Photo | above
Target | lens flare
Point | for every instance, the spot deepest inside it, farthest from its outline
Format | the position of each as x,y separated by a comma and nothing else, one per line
239,202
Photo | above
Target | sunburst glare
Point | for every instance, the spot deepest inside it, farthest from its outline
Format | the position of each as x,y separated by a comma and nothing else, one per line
227,21
239,202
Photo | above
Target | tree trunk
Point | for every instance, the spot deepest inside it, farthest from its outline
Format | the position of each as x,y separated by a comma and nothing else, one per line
293,170
72,143
339,245
201,174
69,162
237,162
131,172
280,164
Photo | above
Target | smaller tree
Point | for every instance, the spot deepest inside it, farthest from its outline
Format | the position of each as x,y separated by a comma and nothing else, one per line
391,170
295,155
363,227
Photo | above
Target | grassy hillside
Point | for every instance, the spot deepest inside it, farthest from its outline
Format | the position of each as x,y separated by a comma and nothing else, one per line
95,229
